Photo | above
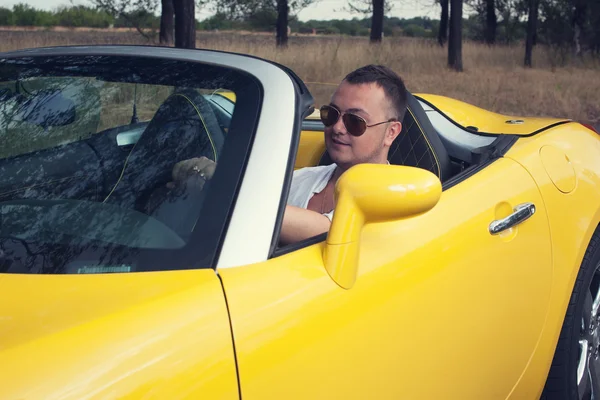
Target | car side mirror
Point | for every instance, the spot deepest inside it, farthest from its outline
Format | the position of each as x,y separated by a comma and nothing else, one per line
368,193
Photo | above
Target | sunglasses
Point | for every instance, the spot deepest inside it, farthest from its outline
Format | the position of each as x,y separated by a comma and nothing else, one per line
355,124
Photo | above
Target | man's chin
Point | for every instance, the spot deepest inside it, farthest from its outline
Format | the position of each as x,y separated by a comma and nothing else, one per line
340,159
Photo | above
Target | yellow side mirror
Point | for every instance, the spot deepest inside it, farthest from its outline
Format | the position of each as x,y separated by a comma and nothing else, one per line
368,193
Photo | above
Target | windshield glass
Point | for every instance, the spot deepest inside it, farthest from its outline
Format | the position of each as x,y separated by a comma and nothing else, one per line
90,146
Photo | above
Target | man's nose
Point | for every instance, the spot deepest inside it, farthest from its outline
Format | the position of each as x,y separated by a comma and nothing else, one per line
339,126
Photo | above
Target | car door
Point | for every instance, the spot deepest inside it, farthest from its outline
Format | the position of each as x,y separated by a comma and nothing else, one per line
118,335
116,295
441,308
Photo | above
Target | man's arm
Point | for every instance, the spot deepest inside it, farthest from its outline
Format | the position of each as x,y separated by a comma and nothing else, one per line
300,224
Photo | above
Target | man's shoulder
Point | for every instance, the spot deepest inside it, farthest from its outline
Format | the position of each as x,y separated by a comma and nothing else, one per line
307,181
311,172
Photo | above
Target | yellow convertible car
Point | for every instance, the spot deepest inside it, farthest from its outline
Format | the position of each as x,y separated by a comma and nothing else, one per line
469,268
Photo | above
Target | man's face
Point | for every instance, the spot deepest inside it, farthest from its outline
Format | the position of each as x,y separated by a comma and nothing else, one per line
369,102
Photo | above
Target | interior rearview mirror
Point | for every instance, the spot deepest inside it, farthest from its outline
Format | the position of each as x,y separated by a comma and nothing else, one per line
368,193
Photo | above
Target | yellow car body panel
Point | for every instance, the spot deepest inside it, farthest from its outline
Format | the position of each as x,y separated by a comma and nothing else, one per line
228,94
437,299
466,114
159,335
573,217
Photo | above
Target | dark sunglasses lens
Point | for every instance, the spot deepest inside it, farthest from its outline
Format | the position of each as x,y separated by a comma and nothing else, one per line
355,125
329,115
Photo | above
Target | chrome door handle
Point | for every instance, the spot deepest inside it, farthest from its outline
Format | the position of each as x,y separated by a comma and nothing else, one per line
521,213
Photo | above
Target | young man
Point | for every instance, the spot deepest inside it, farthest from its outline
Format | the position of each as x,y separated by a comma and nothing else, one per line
361,122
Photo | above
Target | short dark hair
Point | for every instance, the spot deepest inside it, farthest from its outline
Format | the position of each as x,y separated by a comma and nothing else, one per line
388,80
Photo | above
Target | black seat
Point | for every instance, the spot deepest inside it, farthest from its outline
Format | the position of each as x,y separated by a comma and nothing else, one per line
183,127
418,145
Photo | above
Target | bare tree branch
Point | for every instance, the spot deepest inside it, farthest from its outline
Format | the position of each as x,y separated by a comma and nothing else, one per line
366,6
124,8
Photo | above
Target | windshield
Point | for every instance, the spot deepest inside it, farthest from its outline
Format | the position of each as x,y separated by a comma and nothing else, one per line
89,147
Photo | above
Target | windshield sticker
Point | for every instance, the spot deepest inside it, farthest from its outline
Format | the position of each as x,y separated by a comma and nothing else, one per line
104,270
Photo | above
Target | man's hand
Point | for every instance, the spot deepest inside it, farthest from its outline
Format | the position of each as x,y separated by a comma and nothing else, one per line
201,167
300,224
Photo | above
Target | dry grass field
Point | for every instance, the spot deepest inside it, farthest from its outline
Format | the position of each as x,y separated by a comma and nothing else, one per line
493,77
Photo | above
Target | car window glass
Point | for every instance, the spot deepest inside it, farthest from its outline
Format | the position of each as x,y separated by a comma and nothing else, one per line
89,150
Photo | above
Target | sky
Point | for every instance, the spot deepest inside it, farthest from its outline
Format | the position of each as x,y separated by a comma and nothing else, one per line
321,10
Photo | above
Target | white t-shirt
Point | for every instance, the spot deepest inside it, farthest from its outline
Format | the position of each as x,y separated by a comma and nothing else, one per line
308,181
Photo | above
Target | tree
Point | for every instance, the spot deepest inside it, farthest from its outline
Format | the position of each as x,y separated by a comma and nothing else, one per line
25,15
512,12
491,22
377,9
455,39
282,23
167,24
443,31
176,15
594,24
555,29
126,9
578,21
185,24
531,30
377,21
263,13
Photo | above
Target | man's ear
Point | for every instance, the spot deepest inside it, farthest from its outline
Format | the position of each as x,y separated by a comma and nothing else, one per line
393,132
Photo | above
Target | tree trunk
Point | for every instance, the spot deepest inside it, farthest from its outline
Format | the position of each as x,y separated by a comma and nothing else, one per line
531,30
377,21
282,23
491,22
443,32
455,39
579,19
166,22
185,24
594,33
